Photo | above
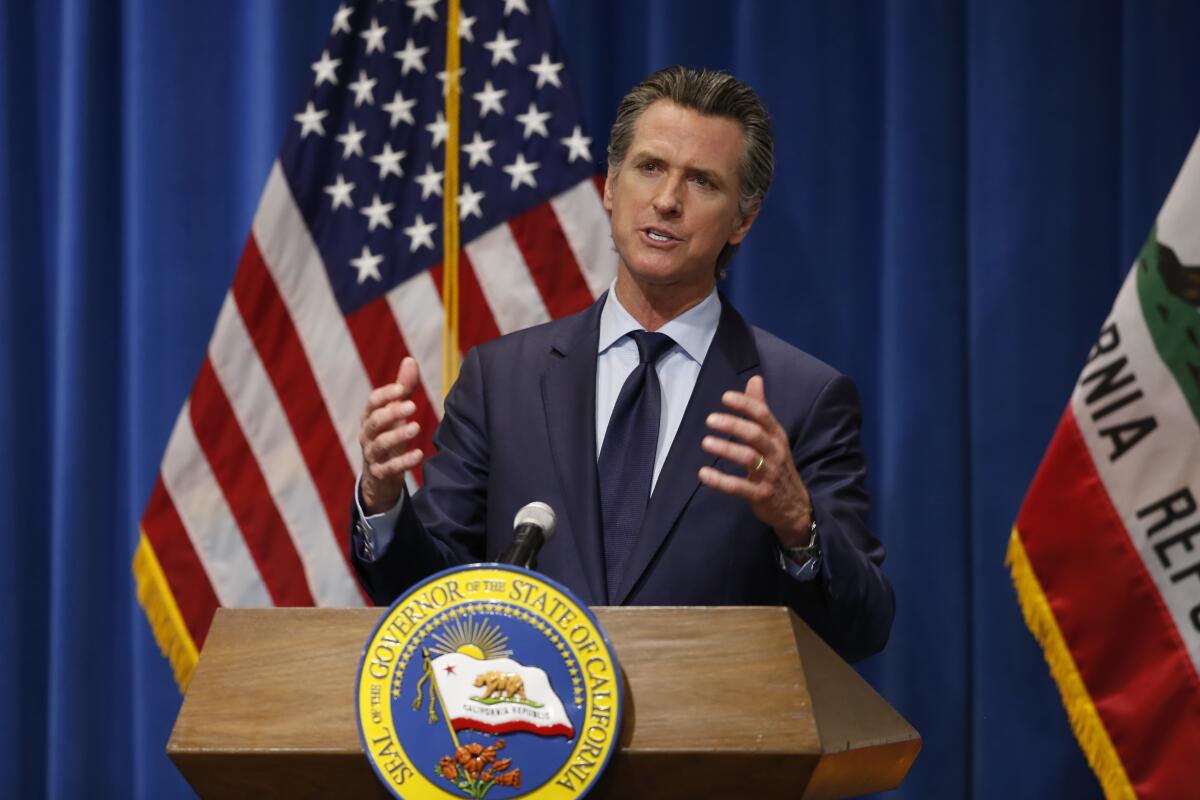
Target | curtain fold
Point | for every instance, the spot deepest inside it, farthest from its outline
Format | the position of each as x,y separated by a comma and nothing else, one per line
960,187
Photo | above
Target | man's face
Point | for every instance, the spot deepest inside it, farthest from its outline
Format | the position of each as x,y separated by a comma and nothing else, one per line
674,201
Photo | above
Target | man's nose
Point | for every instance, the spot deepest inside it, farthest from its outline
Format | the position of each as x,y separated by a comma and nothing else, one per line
667,200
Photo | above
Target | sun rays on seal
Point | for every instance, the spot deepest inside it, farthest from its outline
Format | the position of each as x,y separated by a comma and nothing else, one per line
476,639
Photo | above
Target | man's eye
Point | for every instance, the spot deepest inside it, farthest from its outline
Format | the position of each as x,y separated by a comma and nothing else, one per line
649,166
703,181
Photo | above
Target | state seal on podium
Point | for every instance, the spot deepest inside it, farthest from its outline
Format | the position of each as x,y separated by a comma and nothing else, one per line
488,681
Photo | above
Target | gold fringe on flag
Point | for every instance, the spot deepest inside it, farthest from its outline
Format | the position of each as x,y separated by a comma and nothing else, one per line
158,602
1081,711
450,204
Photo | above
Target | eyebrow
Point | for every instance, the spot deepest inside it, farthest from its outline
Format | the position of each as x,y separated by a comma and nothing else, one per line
644,155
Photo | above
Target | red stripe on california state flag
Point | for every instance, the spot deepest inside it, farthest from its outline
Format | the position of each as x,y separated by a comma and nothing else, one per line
1140,679
476,324
381,347
179,563
513,726
282,354
550,260
246,491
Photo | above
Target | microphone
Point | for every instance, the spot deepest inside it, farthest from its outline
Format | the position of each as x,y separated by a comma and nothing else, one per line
532,528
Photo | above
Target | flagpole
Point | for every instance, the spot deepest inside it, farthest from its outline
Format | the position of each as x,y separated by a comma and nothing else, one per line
438,694
450,203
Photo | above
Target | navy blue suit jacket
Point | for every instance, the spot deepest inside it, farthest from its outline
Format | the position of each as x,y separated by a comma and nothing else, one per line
520,425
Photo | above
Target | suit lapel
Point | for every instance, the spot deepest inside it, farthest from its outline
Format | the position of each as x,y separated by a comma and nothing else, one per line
730,357
569,399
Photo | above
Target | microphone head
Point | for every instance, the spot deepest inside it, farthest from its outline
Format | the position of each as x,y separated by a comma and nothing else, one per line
539,514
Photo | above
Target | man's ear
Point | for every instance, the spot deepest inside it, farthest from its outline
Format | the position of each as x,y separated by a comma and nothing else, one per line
608,182
742,225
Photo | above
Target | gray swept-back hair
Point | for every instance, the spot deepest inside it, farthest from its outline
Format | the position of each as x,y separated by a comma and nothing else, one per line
712,93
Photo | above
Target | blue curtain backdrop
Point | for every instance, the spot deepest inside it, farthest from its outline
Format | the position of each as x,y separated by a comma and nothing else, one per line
961,186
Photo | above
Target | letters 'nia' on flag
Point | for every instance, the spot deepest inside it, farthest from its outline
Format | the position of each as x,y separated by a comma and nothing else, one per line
1105,554
340,279
499,695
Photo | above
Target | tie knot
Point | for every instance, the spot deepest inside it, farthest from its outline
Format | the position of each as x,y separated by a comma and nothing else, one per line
652,346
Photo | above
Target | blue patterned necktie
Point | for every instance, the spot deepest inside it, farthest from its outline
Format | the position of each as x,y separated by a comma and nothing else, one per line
626,463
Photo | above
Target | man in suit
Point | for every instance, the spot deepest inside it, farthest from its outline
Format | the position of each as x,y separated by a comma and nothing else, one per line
691,458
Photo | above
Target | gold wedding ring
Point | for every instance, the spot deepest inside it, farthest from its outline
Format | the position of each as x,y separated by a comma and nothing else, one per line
757,468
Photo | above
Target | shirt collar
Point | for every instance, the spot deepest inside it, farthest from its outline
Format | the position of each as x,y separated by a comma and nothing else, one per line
693,330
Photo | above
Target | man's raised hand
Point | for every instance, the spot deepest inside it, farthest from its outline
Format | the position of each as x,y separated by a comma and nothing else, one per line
386,432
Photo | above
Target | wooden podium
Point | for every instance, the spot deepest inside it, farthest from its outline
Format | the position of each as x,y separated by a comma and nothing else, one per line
740,702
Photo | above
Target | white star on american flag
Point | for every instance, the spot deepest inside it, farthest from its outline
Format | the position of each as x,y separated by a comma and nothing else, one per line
522,172
420,232
373,36
422,9
400,109
351,141
377,213
364,89
341,20
465,24
577,145
479,150
310,120
339,191
430,180
326,69
502,48
546,71
439,128
534,121
411,57
388,161
468,202
489,99
367,265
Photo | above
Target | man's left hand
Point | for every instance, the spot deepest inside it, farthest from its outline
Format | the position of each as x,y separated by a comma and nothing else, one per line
774,489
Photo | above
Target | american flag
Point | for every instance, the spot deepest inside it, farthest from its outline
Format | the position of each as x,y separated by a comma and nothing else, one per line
341,278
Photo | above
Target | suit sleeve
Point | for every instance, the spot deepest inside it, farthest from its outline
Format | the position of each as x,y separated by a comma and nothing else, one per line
851,604
444,525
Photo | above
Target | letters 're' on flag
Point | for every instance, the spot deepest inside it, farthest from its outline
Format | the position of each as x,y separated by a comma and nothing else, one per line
340,279
1106,550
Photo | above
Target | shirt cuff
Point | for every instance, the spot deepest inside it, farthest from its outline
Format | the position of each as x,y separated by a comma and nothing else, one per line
377,530
804,571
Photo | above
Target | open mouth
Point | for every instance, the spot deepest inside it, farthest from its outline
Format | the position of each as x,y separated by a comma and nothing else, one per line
656,235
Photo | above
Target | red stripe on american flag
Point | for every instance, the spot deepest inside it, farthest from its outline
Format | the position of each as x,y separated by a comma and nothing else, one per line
237,473
180,565
599,179
550,261
476,324
282,354
381,347
1119,632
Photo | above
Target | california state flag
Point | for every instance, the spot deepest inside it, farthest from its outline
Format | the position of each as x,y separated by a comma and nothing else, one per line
499,695
1105,554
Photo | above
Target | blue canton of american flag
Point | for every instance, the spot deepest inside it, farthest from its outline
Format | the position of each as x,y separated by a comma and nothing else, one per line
341,278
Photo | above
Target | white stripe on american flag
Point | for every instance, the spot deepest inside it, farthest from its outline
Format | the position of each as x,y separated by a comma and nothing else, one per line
585,224
505,280
208,520
265,426
296,266
417,307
